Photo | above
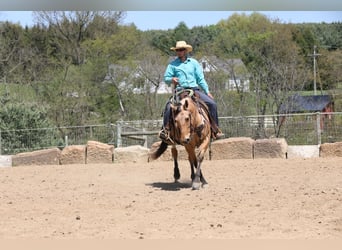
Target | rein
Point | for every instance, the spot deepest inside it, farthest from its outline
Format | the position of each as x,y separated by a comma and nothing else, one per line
181,94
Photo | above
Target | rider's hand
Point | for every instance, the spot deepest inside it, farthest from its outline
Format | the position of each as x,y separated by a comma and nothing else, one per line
210,95
175,81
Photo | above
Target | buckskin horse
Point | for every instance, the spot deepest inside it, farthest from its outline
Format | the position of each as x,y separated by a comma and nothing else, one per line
191,128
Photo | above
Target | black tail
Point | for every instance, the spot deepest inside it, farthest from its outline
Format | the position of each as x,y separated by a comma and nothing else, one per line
156,153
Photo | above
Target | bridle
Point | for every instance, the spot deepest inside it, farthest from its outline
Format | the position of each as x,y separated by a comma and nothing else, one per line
193,129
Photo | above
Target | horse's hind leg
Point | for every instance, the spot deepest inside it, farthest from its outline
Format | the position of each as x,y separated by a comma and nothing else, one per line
176,173
199,178
203,181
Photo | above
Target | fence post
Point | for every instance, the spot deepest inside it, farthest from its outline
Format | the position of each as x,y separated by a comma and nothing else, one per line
318,124
145,138
119,128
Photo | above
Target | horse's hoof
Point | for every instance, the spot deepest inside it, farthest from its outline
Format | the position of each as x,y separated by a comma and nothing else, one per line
196,185
205,185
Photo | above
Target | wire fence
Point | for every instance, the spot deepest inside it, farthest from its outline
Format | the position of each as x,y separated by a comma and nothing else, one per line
297,129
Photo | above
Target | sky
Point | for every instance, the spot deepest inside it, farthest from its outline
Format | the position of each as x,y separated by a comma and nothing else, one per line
148,20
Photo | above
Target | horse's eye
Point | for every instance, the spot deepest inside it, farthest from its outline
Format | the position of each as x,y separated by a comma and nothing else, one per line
187,119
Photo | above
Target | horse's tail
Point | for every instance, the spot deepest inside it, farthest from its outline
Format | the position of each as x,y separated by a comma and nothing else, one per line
157,150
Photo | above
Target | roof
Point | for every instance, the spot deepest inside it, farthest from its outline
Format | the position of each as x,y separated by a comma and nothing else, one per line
213,63
300,104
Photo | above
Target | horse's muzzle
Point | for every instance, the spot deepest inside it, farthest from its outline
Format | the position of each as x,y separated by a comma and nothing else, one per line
186,140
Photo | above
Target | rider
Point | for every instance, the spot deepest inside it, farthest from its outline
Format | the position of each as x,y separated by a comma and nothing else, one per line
186,72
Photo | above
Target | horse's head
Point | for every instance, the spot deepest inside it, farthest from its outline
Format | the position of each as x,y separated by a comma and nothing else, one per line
184,120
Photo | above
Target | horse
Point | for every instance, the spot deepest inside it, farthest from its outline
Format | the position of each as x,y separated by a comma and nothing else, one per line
191,128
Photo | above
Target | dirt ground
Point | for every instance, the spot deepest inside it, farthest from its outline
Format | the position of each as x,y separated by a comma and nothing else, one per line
246,199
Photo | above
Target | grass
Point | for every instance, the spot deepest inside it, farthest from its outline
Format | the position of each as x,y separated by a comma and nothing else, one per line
18,93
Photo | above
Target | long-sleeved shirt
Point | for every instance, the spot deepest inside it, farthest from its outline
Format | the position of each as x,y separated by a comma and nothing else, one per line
189,73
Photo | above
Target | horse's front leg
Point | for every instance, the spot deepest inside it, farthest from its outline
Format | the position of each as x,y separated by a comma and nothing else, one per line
193,164
176,173
200,157
200,173
196,183
195,176
203,181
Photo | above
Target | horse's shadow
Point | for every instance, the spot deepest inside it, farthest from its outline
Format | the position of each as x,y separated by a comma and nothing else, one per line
170,186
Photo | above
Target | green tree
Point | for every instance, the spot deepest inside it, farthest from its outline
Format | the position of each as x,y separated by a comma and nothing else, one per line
329,73
14,54
272,57
23,127
69,29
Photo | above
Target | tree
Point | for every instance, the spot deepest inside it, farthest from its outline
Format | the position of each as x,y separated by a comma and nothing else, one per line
14,54
329,68
113,57
69,29
181,33
162,40
151,68
23,127
271,56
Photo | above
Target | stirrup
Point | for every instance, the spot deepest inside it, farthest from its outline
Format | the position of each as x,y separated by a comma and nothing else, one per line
164,135
219,135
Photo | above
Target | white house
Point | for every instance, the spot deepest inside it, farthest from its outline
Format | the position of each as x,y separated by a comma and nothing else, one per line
235,69
237,75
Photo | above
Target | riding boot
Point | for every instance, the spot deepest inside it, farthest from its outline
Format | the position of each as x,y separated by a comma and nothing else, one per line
164,135
217,134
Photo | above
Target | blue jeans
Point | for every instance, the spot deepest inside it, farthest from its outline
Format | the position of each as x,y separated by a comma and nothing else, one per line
212,106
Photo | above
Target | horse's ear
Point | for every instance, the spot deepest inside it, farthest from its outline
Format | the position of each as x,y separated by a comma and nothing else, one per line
186,104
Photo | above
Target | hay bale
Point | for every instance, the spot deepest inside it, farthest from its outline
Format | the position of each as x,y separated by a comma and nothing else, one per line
38,157
302,151
97,152
270,148
5,161
331,149
232,148
135,153
74,154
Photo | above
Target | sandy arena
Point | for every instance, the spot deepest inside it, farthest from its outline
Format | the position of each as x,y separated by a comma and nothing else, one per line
246,199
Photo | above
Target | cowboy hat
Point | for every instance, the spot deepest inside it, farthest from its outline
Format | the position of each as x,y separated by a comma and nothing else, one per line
181,45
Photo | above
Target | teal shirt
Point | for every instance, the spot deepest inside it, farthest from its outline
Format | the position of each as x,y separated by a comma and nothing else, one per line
189,73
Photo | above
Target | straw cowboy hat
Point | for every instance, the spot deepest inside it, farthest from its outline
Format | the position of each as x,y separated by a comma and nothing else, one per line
181,45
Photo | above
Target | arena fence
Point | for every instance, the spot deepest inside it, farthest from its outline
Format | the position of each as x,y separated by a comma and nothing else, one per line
297,129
